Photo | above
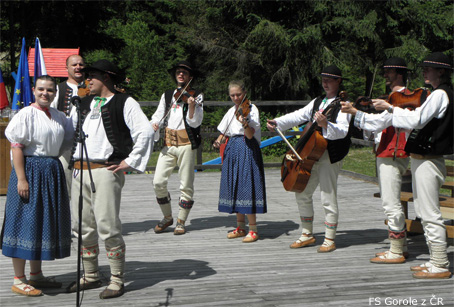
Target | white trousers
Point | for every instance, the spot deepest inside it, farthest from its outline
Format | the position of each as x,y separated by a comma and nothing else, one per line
100,210
390,174
427,178
184,157
325,174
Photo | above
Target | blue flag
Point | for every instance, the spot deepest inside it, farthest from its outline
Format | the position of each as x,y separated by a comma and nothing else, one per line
23,90
40,66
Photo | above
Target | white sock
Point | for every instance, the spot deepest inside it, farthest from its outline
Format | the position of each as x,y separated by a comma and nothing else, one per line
328,242
305,237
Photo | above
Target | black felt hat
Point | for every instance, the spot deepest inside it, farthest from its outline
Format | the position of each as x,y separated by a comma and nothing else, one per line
437,60
182,64
107,67
395,62
331,71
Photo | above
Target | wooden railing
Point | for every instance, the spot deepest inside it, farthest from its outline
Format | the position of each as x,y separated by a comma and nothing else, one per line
211,134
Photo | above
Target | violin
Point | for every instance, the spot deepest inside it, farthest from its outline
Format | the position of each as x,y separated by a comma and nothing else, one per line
411,101
120,87
83,89
184,94
397,99
243,109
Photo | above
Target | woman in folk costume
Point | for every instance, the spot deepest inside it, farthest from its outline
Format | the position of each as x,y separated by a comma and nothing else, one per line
431,138
37,223
242,189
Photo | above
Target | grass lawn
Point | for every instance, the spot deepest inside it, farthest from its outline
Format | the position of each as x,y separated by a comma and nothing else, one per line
359,160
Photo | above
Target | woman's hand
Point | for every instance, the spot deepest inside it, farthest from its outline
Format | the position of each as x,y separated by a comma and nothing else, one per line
219,141
23,188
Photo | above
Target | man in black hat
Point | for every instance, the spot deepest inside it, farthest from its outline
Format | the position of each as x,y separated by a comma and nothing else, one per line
432,137
118,139
325,171
180,112
392,162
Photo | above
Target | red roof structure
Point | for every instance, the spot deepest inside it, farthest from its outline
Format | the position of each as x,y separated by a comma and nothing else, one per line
55,60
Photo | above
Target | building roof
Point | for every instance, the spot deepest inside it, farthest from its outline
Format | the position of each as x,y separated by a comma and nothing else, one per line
55,60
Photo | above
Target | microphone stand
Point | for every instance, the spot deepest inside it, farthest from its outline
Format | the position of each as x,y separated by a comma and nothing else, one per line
82,150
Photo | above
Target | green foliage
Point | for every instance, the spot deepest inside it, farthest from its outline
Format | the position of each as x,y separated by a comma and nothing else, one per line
277,149
277,47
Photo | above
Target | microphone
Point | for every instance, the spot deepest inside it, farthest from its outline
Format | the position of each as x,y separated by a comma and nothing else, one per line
75,100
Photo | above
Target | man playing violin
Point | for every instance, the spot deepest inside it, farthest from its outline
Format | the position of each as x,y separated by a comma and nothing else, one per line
325,171
432,137
392,162
181,114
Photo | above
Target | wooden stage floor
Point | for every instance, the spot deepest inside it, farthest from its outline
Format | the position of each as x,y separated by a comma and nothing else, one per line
204,268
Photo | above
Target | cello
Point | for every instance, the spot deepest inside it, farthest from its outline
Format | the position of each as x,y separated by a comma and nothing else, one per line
298,162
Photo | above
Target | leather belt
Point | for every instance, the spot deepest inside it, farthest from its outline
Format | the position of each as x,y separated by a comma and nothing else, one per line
176,137
424,157
93,165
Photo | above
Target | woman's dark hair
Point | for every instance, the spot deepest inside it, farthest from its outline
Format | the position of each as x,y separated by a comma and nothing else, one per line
46,78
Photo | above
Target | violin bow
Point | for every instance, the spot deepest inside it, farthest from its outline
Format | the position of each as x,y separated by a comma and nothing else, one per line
288,143
373,81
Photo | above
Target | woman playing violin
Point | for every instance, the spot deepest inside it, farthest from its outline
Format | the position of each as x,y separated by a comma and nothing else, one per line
431,138
242,188
326,170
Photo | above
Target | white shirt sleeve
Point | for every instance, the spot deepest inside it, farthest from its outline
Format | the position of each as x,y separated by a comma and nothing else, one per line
198,113
334,131
295,118
373,122
339,129
434,107
141,134
159,113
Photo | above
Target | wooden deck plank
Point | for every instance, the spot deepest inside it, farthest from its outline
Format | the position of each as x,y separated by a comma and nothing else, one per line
204,268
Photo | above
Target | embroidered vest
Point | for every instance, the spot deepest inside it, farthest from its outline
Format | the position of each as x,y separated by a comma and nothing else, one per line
193,133
64,98
337,149
437,137
117,131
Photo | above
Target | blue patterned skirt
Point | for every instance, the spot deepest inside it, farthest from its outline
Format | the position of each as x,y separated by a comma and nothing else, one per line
242,187
38,228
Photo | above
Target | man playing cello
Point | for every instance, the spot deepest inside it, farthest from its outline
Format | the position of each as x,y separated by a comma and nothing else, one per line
335,130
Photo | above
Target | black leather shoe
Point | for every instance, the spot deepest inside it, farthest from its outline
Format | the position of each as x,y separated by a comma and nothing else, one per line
84,286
